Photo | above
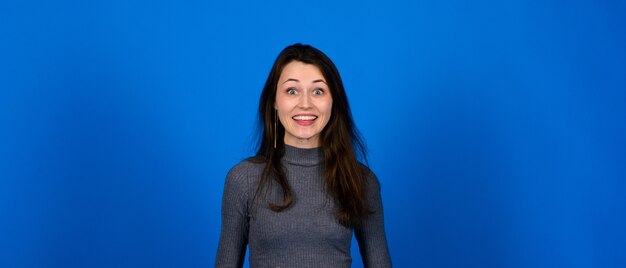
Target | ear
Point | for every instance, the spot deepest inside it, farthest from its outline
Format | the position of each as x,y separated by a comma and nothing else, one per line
275,108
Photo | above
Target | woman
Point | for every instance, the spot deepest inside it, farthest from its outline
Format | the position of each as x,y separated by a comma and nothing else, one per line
298,201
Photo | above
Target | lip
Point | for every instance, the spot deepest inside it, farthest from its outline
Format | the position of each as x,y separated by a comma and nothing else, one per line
304,115
310,119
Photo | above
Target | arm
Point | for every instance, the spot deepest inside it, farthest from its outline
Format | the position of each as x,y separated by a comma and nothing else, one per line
371,234
231,250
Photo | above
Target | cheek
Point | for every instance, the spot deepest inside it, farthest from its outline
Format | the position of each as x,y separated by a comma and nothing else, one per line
283,106
328,108
283,116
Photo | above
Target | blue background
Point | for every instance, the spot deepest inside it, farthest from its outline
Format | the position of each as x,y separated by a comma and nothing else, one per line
497,128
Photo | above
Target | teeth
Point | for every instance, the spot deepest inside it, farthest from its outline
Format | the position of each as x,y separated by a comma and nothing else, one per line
305,117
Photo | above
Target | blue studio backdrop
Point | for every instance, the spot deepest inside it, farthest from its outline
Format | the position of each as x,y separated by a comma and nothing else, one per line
497,128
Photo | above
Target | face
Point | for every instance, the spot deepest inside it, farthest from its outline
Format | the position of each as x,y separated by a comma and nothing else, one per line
304,103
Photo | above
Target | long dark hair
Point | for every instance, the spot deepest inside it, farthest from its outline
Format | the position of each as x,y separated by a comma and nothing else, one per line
341,143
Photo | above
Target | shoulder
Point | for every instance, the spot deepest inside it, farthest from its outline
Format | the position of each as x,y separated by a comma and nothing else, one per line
241,179
372,190
372,187
250,167
370,178
246,166
245,170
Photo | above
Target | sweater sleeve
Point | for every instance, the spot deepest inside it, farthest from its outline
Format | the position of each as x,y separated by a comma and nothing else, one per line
231,250
371,234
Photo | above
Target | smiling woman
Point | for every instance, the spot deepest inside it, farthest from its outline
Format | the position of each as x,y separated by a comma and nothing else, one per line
298,202
303,104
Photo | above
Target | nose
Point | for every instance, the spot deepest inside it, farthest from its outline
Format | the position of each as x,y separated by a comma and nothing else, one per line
305,101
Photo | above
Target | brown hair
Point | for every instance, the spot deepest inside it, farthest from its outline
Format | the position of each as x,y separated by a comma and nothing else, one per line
341,143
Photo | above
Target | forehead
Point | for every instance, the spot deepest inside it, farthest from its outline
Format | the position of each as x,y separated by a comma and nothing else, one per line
301,71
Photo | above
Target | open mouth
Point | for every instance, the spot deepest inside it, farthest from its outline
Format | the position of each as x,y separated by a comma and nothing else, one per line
304,117
304,120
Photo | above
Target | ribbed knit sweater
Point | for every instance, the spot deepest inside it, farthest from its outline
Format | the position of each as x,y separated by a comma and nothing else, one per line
304,235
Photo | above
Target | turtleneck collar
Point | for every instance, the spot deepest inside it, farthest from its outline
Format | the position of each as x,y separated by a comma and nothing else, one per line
302,156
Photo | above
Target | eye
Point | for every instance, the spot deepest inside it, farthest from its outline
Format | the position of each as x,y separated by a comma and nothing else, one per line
292,91
318,91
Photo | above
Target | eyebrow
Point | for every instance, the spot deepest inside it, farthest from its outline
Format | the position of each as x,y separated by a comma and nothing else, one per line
296,80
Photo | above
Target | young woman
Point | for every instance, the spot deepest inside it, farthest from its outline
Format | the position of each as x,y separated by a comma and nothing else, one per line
300,199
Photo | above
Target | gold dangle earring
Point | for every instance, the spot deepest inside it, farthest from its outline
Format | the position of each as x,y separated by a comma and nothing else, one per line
275,130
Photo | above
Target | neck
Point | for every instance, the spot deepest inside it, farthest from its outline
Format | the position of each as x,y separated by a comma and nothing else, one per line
303,156
309,143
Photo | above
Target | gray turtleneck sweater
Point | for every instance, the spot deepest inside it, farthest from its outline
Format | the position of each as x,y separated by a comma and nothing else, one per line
304,235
